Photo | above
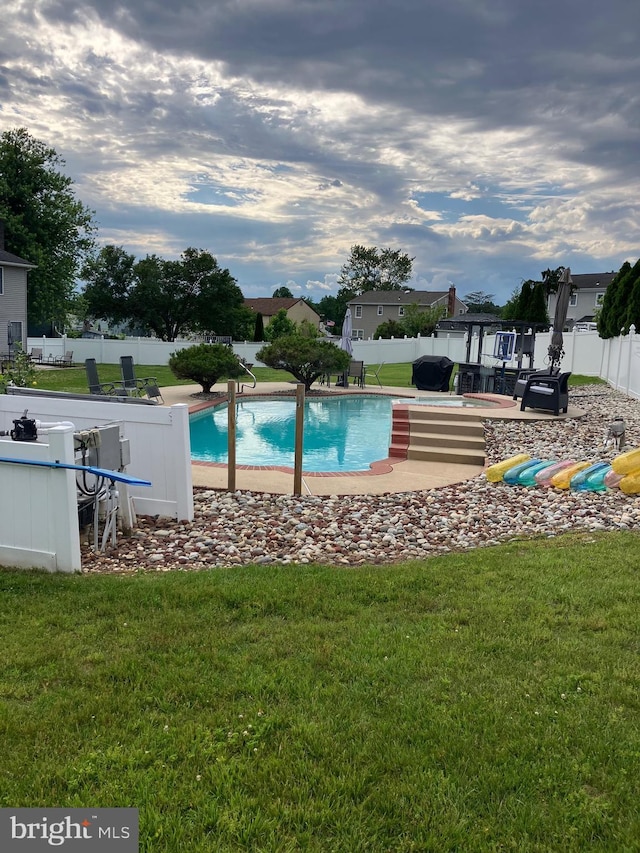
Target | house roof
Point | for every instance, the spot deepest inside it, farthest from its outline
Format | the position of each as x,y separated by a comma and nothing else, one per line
593,280
395,297
269,305
9,260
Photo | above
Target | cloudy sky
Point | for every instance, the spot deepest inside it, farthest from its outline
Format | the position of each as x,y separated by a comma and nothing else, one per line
489,139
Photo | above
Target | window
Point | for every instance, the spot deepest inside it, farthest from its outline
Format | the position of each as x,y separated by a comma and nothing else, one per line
357,335
599,298
380,310
401,311
573,300
358,311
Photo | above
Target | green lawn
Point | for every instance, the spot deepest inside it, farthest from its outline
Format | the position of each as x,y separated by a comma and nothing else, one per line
74,378
481,701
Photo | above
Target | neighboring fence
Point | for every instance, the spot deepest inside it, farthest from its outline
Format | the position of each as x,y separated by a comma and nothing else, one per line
586,353
148,351
158,437
38,505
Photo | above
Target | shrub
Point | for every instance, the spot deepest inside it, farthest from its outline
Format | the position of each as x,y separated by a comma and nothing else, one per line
306,358
205,364
20,372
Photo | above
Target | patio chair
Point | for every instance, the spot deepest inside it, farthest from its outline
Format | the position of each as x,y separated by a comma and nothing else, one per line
548,393
65,360
369,371
524,375
356,372
36,354
138,387
104,389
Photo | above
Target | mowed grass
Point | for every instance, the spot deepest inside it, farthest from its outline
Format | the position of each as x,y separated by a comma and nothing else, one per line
74,378
479,701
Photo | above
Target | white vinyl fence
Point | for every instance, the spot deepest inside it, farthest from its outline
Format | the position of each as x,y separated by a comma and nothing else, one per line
586,353
158,437
39,505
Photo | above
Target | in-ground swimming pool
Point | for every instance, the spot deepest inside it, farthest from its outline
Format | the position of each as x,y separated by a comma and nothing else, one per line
341,432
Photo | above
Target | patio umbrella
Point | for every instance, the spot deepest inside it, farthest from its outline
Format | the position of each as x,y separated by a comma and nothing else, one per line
345,340
559,318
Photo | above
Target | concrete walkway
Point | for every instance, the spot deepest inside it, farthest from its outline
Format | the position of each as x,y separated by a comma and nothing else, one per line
386,476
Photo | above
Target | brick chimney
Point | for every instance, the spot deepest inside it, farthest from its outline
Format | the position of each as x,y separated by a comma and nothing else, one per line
451,302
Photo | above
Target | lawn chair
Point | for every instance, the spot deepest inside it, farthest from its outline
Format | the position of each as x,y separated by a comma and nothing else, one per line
549,393
36,355
138,387
525,375
104,389
65,360
369,371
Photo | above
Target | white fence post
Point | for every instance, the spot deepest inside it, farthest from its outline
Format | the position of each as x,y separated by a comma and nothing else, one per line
631,336
183,479
64,510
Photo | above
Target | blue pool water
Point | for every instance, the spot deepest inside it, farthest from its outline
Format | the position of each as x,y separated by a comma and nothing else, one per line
341,433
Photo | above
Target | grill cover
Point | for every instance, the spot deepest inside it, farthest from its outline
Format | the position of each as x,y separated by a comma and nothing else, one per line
432,373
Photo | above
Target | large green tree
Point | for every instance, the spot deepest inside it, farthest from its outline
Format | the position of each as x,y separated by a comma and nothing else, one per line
479,302
282,293
370,268
168,298
44,223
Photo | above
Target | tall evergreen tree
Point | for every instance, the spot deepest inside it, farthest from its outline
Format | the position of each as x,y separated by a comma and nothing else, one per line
258,334
618,322
633,309
538,305
608,321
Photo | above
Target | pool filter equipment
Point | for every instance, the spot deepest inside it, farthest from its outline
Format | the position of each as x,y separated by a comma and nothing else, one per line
24,429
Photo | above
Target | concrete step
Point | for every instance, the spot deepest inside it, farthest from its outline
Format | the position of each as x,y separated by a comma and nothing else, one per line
449,439
446,427
428,435
457,455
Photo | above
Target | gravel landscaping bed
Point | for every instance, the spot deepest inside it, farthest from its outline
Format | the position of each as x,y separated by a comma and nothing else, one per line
255,528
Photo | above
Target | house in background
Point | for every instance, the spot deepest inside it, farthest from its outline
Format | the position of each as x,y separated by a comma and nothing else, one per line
374,307
297,309
13,299
586,297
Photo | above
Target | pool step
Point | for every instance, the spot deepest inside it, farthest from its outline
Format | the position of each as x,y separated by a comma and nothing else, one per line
432,435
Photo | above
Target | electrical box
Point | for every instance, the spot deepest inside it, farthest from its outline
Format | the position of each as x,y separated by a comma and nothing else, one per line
107,452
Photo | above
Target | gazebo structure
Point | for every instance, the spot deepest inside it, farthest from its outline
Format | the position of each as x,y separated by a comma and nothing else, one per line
473,376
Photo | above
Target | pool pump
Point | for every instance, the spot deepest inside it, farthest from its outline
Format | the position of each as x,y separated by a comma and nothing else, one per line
24,429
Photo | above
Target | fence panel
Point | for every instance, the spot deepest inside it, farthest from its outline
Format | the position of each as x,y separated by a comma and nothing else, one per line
38,505
158,436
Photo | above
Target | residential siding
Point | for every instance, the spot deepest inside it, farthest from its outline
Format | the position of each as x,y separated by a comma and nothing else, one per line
365,318
13,304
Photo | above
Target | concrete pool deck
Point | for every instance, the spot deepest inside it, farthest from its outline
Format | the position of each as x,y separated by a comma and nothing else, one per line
386,476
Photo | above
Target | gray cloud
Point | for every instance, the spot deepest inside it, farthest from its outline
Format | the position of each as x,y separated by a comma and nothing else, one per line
488,138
